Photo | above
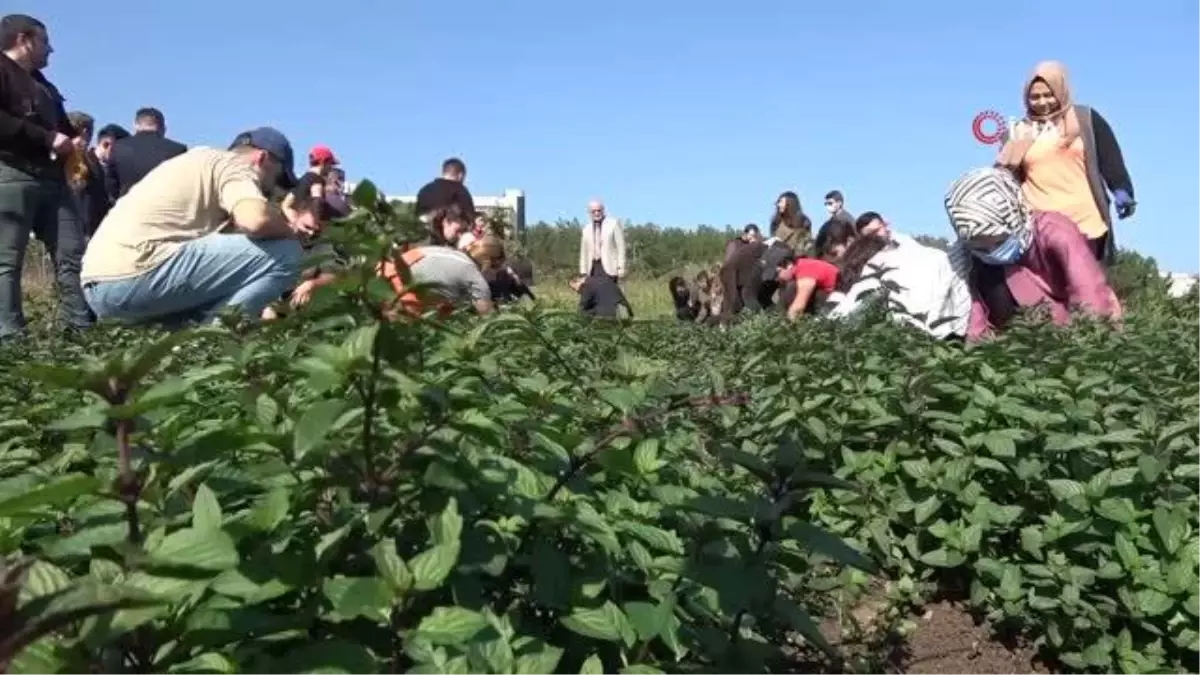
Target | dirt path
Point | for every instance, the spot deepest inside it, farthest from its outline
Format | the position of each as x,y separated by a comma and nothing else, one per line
947,640
944,638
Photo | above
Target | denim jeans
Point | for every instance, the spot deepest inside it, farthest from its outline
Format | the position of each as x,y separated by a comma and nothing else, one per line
45,209
199,279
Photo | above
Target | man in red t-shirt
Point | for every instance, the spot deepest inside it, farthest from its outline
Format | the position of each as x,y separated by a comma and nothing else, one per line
810,276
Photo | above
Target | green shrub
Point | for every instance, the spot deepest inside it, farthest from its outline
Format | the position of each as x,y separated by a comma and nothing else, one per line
529,493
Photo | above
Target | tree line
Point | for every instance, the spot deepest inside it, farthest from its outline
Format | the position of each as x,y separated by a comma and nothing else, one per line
652,250
655,251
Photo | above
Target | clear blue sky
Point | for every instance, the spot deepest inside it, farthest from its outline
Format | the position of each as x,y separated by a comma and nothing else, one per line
674,112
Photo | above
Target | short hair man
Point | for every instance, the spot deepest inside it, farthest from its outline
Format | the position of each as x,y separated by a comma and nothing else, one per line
835,205
446,190
163,254
134,157
108,135
150,120
36,138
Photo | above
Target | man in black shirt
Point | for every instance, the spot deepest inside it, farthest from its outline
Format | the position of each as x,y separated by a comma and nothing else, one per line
36,138
134,157
446,190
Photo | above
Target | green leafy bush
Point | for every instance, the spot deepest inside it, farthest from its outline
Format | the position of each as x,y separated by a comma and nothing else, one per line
529,493
342,493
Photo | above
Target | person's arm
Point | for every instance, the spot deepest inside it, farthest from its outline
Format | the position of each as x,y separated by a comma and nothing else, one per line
978,326
19,131
239,195
519,287
805,287
619,237
288,206
112,174
1109,157
585,244
477,288
1086,283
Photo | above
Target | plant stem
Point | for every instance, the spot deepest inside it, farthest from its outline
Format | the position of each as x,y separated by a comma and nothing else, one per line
128,486
368,390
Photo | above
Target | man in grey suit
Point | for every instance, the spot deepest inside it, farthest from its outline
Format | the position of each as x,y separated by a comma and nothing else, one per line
602,247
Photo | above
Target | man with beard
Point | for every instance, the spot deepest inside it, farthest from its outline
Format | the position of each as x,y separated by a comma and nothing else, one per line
36,140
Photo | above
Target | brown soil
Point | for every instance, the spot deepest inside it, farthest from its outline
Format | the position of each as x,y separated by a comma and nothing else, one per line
946,639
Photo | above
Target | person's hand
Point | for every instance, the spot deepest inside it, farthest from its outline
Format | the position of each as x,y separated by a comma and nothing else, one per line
1125,204
306,224
63,145
302,293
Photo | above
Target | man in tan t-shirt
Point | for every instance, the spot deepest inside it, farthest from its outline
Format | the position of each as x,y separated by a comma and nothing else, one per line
197,234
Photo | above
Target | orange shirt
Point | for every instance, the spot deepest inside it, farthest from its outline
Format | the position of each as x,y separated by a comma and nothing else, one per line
1056,180
407,301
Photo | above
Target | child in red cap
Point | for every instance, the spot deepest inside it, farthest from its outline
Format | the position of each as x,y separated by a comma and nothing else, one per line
308,200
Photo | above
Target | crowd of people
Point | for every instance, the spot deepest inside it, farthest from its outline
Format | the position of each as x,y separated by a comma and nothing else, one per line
1035,229
143,229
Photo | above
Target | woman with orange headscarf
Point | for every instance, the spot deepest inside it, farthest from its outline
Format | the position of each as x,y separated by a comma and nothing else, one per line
1068,160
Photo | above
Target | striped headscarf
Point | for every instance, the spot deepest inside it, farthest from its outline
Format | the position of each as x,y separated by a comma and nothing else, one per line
986,202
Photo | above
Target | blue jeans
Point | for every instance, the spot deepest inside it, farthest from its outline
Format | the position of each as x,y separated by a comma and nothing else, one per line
202,277
45,208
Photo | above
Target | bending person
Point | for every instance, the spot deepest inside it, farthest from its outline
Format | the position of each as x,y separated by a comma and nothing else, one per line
161,254
1012,257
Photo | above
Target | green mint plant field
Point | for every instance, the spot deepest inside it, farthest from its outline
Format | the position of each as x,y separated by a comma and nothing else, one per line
532,493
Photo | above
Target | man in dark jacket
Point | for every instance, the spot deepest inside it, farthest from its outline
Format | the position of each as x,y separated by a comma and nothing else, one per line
136,156
35,139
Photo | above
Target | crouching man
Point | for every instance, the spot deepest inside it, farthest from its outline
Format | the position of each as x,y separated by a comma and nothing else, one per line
197,234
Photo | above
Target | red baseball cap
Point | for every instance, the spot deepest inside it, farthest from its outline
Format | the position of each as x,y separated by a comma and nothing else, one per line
321,154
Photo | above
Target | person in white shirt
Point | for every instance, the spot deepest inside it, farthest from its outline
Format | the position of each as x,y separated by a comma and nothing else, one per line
602,248
925,293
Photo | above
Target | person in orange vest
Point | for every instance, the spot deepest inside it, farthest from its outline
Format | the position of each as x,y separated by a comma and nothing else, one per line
454,276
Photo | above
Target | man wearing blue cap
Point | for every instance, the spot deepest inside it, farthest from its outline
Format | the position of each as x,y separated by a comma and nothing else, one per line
198,234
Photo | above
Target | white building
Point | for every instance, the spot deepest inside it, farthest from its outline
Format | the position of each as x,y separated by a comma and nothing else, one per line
1180,283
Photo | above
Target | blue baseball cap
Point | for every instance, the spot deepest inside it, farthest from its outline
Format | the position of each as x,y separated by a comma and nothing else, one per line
275,144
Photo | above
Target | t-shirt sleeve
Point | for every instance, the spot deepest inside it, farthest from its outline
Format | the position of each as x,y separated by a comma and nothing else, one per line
472,282
235,182
825,274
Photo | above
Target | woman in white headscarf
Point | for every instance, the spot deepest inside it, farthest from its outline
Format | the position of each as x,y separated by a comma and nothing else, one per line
1013,257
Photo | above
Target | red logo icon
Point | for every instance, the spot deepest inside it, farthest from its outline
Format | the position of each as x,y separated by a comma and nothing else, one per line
989,127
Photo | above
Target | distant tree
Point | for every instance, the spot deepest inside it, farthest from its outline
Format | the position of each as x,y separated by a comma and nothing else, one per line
1136,278
940,243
